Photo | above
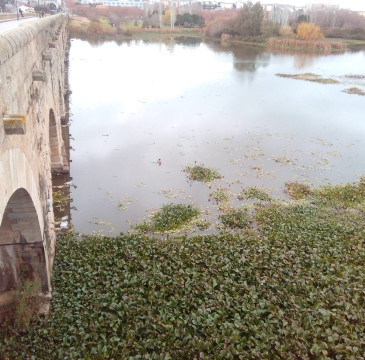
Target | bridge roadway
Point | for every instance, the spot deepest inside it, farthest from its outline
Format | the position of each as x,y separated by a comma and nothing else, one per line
33,94
12,24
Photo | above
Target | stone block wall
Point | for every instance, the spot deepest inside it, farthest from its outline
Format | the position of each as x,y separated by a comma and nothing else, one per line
32,91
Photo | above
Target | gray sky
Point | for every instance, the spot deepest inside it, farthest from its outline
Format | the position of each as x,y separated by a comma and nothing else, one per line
357,5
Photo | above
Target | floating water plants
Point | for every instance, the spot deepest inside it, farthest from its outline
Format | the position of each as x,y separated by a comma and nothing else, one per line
235,218
309,77
220,195
297,190
171,217
202,173
292,287
253,193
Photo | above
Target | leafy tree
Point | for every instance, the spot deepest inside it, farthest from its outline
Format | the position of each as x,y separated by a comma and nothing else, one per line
166,17
307,31
303,18
269,28
248,21
189,20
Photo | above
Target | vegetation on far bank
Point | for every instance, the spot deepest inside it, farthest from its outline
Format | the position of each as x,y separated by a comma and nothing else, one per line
284,280
247,25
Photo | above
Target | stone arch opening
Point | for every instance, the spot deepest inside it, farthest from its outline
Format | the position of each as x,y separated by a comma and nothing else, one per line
22,254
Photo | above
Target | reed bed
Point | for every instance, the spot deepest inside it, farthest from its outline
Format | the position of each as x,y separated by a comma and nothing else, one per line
318,45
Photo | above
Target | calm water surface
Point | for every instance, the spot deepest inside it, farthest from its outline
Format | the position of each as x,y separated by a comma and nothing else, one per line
143,111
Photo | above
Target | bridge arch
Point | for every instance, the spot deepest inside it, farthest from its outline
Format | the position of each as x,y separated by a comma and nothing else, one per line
23,254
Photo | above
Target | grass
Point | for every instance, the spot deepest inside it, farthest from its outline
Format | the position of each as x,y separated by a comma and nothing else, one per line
354,90
202,173
290,288
309,77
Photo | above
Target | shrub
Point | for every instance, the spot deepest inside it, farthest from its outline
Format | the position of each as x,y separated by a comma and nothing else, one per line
286,31
96,28
218,26
307,31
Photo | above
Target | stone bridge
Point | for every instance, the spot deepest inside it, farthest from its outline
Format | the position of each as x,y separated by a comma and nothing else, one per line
33,90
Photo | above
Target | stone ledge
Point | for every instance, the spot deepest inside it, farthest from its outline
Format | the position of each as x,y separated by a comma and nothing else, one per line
14,124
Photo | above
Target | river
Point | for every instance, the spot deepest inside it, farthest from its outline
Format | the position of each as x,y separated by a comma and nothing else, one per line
141,111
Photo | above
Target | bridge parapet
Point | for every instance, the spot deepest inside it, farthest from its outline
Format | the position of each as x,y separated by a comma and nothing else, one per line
32,104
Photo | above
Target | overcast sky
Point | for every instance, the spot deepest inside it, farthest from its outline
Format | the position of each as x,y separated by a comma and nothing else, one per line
357,5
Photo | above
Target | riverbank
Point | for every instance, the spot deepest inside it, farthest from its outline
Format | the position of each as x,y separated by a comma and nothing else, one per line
81,27
287,284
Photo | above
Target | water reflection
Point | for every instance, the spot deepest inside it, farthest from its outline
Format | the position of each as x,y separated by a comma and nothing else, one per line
146,102
188,41
246,58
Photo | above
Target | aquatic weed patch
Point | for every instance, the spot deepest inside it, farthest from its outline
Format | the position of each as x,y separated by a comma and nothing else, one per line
254,193
309,77
235,218
297,190
220,195
292,289
354,90
339,196
202,173
171,217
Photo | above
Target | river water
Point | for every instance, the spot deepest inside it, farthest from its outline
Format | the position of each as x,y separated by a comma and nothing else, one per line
143,111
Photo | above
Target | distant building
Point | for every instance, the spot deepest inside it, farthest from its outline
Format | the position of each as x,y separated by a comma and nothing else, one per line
319,7
280,14
129,3
225,4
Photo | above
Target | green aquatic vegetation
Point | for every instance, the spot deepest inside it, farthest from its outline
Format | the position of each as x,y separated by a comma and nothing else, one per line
348,195
235,218
61,199
202,224
292,288
254,193
297,190
202,173
171,217
124,202
220,195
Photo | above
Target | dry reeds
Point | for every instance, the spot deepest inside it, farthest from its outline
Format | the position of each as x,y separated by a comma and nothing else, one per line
325,46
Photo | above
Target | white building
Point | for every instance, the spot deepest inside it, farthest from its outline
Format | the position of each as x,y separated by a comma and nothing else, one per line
138,3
